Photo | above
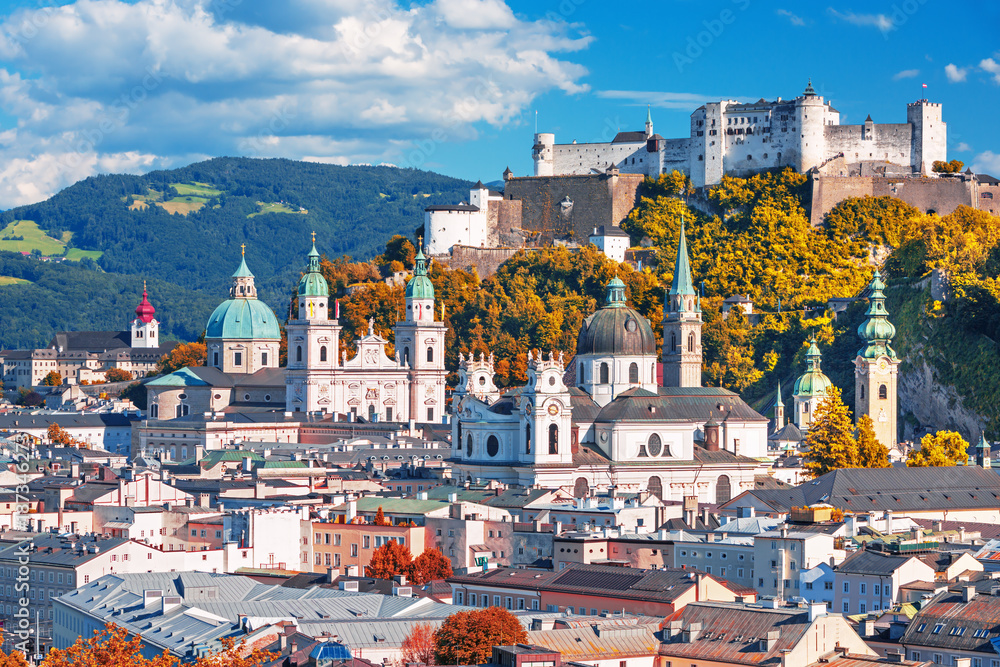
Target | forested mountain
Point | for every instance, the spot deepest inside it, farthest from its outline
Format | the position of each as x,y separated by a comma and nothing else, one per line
182,230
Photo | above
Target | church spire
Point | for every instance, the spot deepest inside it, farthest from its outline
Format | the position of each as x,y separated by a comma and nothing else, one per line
313,284
877,331
243,283
682,284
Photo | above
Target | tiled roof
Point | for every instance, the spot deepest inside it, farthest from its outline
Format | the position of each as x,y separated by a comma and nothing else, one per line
949,623
871,562
679,404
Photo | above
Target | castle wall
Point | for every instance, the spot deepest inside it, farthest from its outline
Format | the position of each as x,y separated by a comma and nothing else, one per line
987,197
593,200
581,159
445,228
890,142
942,195
508,224
485,261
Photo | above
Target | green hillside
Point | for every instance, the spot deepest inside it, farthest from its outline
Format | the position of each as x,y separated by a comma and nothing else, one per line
182,230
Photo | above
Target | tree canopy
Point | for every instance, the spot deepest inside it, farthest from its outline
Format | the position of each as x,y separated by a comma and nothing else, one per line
468,637
388,560
944,448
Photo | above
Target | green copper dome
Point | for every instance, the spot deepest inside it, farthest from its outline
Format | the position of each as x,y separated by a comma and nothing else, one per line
420,286
313,283
616,328
243,316
813,382
877,331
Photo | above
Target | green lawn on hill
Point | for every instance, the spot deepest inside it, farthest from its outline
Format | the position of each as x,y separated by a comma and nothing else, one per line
34,239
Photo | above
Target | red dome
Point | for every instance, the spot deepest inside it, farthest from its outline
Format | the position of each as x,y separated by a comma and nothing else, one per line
145,311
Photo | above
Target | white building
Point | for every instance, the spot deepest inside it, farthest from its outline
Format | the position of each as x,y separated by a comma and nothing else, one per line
870,580
734,138
463,224
612,241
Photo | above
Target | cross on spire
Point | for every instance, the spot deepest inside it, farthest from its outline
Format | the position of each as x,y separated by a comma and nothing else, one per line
243,249
314,238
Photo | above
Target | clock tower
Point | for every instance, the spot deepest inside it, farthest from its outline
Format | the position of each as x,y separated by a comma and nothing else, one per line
876,368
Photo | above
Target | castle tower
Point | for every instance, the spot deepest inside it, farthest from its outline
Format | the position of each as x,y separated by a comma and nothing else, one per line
420,346
929,135
546,414
242,335
876,367
313,343
811,388
810,117
475,378
779,411
543,154
145,329
682,325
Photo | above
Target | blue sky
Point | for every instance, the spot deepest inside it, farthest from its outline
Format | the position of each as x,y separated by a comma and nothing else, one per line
452,85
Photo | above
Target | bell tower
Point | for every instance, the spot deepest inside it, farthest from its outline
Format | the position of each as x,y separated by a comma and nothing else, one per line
682,325
145,328
876,367
420,346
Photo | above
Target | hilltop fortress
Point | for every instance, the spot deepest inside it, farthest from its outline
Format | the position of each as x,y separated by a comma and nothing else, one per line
738,139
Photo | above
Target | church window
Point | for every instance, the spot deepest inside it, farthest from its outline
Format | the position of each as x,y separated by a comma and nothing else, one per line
154,411
655,486
883,392
604,373
388,414
430,414
691,342
580,379
553,439
430,354
642,451
723,490
527,438
138,334
633,373
468,445
406,355
862,391
215,358
652,372
322,353
237,359
371,413
655,445
580,488
492,446
673,341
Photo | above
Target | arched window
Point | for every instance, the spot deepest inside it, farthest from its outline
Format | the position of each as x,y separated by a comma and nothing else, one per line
633,373
604,373
655,486
371,413
723,490
468,445
406,356
580,488
322,353
654,445
862,391
691,342
430,354
673,341
154,411
553,439
298,353
492,445
883,392
527,438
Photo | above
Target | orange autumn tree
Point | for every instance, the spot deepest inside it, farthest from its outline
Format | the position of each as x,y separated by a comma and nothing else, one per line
185,354
418,646
430,565
468,637
388,560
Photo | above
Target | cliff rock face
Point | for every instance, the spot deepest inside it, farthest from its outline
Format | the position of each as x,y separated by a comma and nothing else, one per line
931,404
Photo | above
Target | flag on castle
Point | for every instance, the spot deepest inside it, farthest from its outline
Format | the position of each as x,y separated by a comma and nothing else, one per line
924,85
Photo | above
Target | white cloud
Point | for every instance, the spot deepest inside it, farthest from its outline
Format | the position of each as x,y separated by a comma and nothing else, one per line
880,21
992,67
906,74
792,18
117,84
986,162
963,147
955,74
664,100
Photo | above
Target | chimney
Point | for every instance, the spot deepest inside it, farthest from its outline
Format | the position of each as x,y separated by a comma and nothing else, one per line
816,610
768,643
692,633
868,628
968,593
690,508
895,657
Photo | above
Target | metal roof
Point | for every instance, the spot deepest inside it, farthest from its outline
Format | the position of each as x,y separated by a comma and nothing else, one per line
599,642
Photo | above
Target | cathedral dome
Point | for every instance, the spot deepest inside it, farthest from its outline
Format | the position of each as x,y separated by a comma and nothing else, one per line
420,286
243,319
616,328
144,311
813,382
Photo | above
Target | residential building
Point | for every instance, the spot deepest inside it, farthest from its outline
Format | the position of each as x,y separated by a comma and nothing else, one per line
869,580
959,623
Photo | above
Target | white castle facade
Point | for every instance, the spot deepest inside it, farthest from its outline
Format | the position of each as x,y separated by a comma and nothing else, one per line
734,138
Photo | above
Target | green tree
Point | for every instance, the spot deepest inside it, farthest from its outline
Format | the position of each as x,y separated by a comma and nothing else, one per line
830,440
52,379
871,452
468,637
944,448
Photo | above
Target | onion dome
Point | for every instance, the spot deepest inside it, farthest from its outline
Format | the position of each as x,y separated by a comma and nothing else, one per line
616,328
877,331
313,283
813,382
243,316
420,286
144,311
